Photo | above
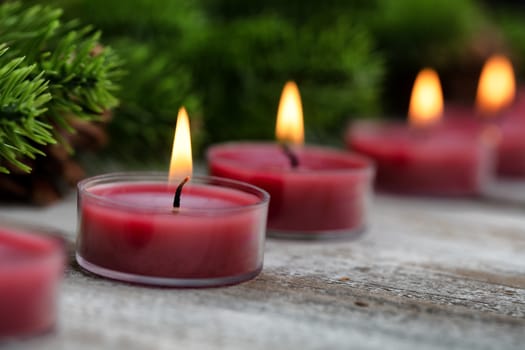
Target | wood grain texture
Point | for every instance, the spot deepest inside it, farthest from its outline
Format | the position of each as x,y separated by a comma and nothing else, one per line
428,274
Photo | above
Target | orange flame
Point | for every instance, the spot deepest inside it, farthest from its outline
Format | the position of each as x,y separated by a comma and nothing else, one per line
497,85
426,102
181,162
290,128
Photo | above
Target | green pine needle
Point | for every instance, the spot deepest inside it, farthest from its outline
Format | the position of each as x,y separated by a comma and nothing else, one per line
22,101
50,70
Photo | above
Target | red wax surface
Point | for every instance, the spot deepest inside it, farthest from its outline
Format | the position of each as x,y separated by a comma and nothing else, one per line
443,160
30,270
511,125
327,192
131,228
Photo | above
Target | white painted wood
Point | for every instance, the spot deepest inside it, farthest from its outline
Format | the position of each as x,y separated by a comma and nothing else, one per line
428,274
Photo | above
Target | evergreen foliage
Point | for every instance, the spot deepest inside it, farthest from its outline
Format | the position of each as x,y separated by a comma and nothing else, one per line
22,101
425,33
510,20
229,68
413,34
52,71
227,60
156,39
158,84
244,66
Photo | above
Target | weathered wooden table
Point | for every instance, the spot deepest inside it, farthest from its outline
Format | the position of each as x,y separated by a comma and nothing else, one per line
428,274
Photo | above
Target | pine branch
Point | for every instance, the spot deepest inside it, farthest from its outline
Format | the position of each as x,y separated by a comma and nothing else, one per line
81,79
69,75
22,103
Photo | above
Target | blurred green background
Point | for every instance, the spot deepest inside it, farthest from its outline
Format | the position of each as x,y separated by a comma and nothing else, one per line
227,61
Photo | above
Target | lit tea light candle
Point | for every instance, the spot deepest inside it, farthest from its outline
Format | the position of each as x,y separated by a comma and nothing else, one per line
31,267
427,157
498,110
315,192
495,100
185,230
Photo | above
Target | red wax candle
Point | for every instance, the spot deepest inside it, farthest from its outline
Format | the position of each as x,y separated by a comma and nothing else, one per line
428,157
511,147
325,195
129,231
510,124
440,161
30,270
499,112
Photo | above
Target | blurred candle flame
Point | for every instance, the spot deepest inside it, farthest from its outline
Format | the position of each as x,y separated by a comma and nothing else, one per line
426,102
497,85
290,128
181,162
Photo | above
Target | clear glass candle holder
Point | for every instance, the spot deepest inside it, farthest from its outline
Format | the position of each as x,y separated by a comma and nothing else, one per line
31,267
456,158
324,196
129,231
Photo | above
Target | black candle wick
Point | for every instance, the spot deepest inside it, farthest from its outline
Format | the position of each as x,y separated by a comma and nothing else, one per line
178,192
292,157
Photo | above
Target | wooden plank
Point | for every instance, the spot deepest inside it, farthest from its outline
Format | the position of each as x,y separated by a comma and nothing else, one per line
428,273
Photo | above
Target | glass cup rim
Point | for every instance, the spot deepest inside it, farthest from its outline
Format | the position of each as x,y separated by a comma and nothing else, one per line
55,249
157,176
366,166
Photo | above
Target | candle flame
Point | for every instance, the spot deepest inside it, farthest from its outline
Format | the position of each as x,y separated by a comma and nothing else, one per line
497,85
181,162
290,128
426,102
